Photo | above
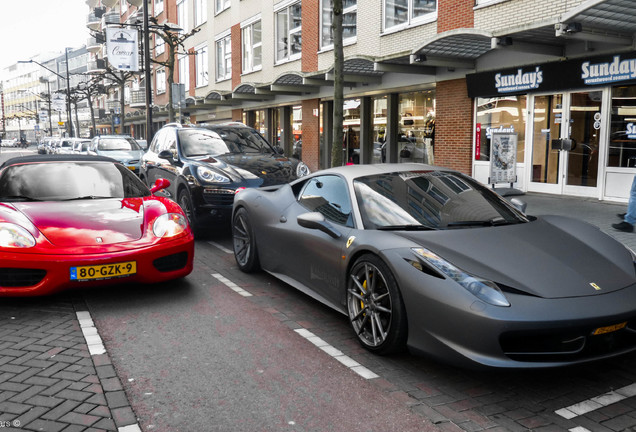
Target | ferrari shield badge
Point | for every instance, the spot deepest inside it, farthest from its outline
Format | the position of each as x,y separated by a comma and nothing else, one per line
596,287
350,241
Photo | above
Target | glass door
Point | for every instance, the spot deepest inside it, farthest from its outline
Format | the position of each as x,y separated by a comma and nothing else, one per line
558,166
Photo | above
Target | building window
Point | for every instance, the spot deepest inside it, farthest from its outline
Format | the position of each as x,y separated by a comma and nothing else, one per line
184,71
160,45
200,12
349,22
158,7
201,59
403,13
288,33
224,58
161,81
505,114
123,6
221,5
622,147
251,40
182,15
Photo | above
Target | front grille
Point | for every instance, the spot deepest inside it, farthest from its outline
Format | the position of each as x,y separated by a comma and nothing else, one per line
171,262
569,344
219,197
20,277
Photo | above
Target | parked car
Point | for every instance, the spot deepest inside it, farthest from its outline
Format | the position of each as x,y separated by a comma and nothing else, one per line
53,234
428,258
11,142
143,144
81,145
122,148
64,146
52,145
207,164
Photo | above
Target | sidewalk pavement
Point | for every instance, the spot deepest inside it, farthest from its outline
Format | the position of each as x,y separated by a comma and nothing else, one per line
55,377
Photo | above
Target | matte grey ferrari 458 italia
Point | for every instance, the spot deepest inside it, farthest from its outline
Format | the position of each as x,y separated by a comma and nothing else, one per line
428,258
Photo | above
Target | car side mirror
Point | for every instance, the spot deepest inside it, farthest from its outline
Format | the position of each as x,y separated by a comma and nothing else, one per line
519,205
315,220
160,184
166,154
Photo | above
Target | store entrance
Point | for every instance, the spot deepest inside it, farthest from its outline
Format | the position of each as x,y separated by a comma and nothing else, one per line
567,128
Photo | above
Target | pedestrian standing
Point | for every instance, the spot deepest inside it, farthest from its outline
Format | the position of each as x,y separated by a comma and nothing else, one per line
629,218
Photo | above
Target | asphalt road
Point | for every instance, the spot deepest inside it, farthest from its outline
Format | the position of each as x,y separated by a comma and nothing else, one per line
224,351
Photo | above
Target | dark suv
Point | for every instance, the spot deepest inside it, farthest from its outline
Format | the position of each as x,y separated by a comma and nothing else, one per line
207,164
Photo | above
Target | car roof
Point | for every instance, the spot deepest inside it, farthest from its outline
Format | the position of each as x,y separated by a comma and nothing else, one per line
354,171
55,158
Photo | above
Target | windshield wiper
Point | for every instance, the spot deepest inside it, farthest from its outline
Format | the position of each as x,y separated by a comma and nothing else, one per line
496,221
87,197
410,227
18,198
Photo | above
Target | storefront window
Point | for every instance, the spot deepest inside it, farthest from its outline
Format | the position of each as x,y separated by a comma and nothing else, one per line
622,148
416,130
506,114
297,128
379,129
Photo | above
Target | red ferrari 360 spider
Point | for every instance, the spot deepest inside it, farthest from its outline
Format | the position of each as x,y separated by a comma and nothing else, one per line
73,221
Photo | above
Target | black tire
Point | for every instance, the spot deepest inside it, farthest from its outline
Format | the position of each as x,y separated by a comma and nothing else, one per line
375,306
185,202
245,252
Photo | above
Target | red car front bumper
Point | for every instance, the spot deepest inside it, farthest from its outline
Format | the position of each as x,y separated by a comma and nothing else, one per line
30,274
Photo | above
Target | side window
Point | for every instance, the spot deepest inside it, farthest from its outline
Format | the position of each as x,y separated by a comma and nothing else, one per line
155,146
328,195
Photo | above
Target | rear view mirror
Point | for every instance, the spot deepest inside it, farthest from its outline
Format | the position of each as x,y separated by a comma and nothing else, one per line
519,205
315,220
160,184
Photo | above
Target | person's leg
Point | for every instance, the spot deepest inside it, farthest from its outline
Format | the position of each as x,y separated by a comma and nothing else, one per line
630,216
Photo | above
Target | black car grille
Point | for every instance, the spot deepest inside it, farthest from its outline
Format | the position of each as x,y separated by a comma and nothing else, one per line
571,344
171,262
20,277
219,197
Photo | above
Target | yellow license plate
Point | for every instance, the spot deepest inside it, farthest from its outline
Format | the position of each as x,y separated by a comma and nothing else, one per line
132,168
104,271
609,329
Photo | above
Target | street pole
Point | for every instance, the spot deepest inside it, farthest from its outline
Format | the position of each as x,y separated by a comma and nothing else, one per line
69,127
146,37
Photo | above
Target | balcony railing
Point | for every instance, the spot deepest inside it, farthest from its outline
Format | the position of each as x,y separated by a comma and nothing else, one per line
96,66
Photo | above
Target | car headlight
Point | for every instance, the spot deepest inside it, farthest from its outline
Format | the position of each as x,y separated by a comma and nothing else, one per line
208,175
302,169
169,225
12,235
483,289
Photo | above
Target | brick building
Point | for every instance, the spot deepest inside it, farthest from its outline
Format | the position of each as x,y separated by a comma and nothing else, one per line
426,80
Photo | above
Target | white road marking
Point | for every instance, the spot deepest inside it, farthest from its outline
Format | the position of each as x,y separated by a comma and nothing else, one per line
234,287
337,354
597,402
221,247
94,342
95,347
579,429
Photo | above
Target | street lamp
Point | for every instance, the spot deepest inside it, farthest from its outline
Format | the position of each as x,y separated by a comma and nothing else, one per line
146,36
69,127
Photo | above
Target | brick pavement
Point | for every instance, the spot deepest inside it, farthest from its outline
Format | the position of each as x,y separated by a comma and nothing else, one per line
48,379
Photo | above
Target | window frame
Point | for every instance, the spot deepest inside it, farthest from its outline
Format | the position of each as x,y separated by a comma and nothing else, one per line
160,81
410,21
353,9
221,5
201,55
223,41
247,52
158,7
200,12
287,7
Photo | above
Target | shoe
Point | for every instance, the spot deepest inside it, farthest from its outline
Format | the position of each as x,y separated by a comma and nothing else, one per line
621,215
624,226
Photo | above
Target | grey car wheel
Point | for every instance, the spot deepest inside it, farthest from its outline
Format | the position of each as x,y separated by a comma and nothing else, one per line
375,307
244,242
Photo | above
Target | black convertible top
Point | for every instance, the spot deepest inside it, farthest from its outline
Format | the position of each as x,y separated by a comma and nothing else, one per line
55,158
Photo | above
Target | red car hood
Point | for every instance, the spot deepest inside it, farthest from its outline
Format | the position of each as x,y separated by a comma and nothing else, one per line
87,222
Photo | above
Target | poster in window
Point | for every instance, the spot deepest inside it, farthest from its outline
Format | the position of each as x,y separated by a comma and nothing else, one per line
503,158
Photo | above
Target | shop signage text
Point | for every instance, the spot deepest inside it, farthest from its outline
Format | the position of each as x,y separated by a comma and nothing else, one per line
519,81
608,72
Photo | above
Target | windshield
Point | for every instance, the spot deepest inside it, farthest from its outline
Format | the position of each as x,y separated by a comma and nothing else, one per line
244,139
430,199
202,142
60,181
117,143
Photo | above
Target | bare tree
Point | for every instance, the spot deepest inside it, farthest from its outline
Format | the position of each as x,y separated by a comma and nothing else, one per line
338,88
173,38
